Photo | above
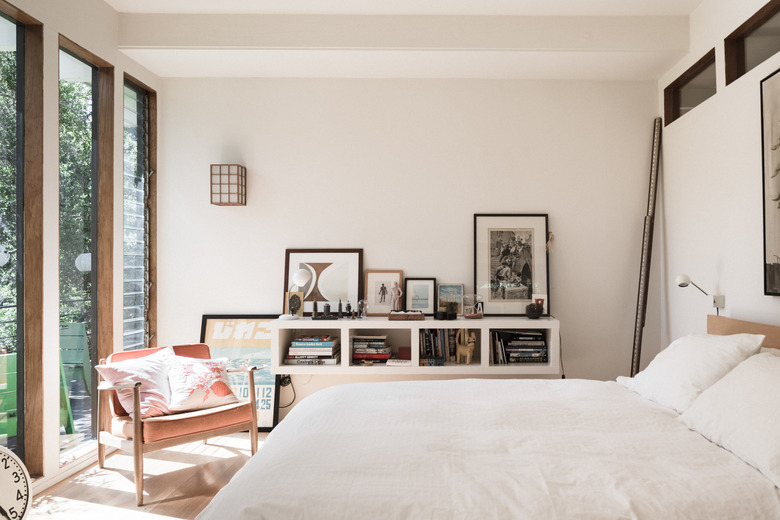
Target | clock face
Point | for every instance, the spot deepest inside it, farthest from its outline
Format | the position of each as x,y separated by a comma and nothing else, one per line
15,492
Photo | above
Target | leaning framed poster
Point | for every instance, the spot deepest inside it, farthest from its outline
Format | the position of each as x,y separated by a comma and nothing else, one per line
510,262
245,339
770,140
334,275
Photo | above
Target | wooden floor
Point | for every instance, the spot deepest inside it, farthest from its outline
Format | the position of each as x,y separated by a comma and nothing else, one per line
178,483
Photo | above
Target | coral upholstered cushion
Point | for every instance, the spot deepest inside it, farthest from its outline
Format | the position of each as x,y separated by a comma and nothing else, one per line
152,372
198,383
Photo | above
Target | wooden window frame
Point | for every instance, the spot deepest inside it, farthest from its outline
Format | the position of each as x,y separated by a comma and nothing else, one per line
672,96
151,205
104,317
734,44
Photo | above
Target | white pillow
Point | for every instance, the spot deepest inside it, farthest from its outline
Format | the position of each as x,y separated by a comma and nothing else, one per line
198,383
690,365
741,413
152,372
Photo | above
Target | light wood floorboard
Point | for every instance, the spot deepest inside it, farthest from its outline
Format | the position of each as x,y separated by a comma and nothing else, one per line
179,482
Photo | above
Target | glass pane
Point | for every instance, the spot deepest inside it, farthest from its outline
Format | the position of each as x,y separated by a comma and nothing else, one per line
762,43
135,275
698,89
11,382
77,257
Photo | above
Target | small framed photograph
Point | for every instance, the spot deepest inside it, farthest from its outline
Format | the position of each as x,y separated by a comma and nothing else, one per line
510,263
420,295
451,298
383,291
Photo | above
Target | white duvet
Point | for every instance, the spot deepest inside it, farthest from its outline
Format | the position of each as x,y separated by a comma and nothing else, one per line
504,449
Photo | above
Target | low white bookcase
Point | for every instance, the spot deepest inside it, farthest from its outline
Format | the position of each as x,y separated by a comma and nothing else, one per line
402,333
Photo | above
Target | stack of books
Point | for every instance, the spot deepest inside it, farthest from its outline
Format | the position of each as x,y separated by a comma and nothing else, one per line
314,350
519,346
437,346
373,350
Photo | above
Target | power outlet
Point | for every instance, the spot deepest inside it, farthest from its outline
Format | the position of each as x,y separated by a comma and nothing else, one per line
285,380
719,301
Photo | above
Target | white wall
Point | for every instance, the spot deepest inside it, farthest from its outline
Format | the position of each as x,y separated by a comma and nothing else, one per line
398,168
712,191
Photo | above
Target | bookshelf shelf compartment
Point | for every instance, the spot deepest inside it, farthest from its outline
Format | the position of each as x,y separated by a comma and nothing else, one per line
402,333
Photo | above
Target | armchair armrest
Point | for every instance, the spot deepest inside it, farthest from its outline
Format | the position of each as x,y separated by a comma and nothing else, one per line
105,385
247,369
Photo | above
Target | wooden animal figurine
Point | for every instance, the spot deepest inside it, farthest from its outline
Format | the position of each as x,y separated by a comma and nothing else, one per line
465,342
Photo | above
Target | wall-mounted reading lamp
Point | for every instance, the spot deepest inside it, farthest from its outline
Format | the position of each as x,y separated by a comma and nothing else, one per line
718,300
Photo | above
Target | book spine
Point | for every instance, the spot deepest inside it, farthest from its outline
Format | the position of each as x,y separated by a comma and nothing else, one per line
296,343
297,361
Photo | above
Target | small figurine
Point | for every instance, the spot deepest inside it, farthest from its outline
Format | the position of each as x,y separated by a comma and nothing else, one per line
395,296
314,312
341,312
465,341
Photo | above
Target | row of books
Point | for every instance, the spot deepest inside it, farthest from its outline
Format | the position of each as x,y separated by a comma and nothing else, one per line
314,350
518,346
437,346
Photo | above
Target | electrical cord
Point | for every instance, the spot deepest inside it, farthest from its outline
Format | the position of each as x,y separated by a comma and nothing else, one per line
288,380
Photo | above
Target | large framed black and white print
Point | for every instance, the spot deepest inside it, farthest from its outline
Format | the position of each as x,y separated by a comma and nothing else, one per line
245,340
770,136
510,262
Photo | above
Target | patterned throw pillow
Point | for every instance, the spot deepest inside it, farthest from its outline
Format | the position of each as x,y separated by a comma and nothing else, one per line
198,383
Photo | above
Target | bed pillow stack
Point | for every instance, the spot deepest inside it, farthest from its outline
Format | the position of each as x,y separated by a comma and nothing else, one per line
690,365
170,383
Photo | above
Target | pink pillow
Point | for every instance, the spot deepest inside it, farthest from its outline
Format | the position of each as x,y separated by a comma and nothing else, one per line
198,383
152,372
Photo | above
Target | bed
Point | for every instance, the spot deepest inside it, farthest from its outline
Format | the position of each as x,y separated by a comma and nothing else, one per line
534,448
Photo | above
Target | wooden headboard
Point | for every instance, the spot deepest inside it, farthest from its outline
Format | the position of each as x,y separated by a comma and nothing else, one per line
722,326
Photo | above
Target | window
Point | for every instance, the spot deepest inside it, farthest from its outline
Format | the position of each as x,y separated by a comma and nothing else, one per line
11,235
693,87
137,232
77,253
753,42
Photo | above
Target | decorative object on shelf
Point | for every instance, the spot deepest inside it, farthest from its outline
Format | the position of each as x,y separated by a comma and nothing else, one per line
406,315
510,262
450,297
420,295
228,185
15,485
336,274
362,309
472,306
534,310
465,342
293,301
770,141
245,340
444,315
718,300
383,291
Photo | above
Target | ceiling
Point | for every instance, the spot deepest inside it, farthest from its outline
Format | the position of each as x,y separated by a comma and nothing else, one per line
539,39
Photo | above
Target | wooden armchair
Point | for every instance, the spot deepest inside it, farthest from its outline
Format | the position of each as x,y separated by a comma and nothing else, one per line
142,435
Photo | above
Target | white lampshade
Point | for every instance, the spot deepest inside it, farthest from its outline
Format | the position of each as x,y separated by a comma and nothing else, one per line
301,277
84,262
682,280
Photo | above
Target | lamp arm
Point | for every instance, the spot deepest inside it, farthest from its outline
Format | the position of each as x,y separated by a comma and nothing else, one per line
699,288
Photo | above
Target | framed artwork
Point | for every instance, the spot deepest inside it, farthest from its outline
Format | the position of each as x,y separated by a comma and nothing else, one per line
510,262
450,298
420,295
245,339
770,145
336,274
382,291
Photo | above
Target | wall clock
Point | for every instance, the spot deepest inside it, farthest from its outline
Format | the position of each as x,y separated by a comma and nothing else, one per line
15,486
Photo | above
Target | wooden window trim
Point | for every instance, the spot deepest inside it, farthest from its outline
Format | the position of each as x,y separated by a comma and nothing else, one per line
152,206
672,92
104,318
734,44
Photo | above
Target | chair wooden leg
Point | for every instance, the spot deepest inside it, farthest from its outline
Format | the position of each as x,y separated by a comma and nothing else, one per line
138,473
253,439
101,455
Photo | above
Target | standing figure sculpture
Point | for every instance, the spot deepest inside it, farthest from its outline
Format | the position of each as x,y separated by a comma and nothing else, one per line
395,296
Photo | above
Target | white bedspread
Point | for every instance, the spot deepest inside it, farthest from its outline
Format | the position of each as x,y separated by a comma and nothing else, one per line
504,449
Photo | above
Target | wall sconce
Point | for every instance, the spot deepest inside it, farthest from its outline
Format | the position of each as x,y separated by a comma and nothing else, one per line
228,185
84,262
718,300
